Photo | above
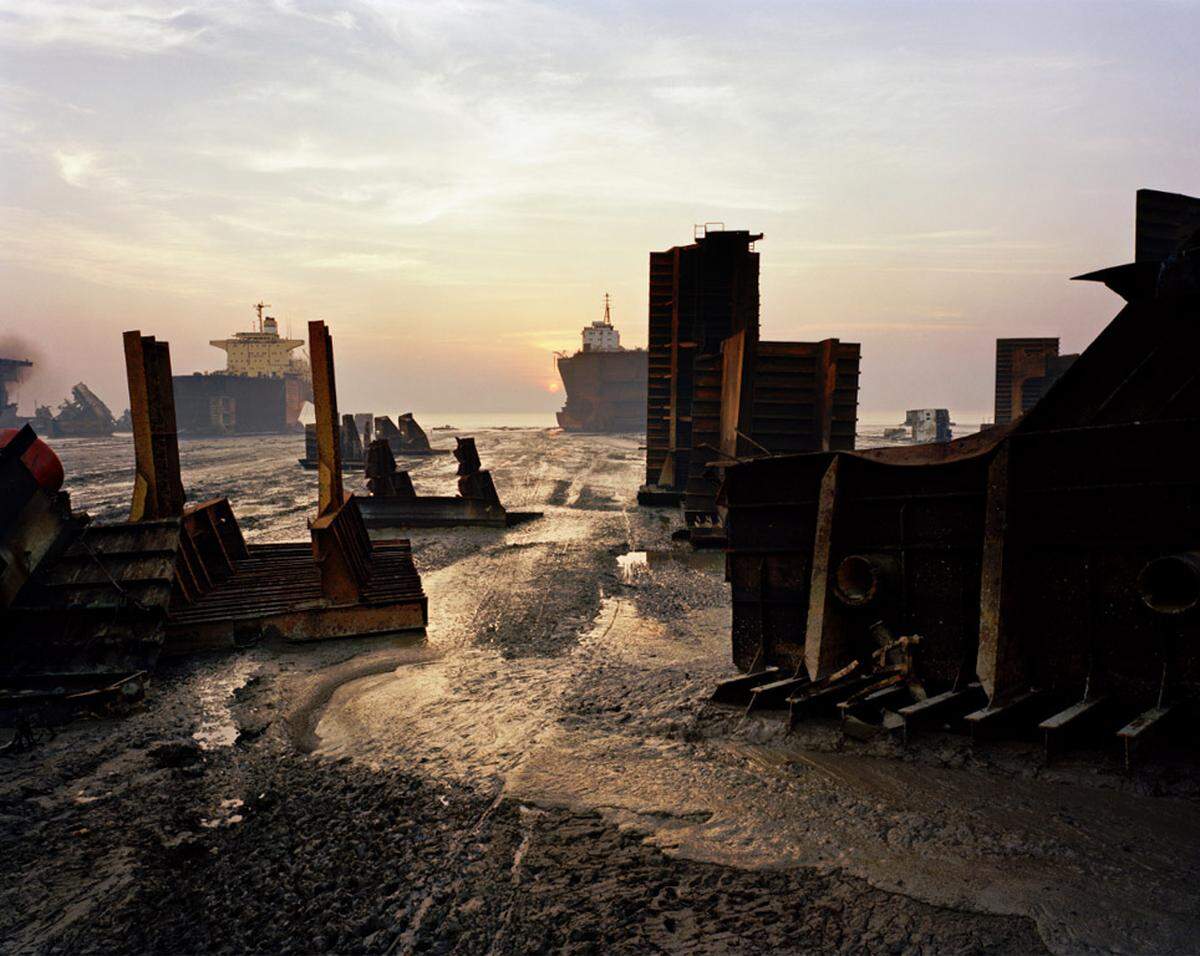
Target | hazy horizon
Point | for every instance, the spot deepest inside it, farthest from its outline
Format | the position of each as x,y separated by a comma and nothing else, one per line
454,186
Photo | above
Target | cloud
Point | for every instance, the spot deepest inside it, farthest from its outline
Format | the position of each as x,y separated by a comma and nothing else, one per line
365,262
75,167
125,28
493,163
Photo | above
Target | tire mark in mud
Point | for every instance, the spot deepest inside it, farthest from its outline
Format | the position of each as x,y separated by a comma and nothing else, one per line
313,696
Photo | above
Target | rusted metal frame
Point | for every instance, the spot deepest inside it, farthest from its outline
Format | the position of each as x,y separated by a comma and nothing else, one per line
342,551
667,475
1171,703
756,581
776,692
946,707
128,583
300,625
228,529
825,696
735,689
826,387
999,662
736,393
187,575
1022,711
199,528
825,639
158,486
1059,730
876,695
330,493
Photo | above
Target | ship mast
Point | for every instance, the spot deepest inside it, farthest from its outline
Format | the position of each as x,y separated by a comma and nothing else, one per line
259,306
607,317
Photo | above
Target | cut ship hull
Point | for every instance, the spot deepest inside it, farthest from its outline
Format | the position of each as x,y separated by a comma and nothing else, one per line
606,391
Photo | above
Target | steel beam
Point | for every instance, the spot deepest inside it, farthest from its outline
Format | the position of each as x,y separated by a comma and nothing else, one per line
157,484
999,662
824,650
330,493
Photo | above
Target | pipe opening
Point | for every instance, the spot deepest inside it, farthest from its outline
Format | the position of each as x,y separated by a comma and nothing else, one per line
1171,584
856,581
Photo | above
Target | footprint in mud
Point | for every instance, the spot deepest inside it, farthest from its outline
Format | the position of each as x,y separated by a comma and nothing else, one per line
558,495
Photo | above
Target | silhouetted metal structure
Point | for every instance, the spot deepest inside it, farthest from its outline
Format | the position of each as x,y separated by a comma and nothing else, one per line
394,503
700,294
95,605
717,393
1041,573
404,437
1025,369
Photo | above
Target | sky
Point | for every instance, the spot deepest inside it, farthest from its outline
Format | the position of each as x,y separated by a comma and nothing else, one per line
453,186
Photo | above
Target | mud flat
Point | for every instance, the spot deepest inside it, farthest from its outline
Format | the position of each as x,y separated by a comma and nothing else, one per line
543,772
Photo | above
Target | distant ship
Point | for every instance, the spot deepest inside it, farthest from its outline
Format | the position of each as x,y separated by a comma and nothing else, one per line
605,383
261,391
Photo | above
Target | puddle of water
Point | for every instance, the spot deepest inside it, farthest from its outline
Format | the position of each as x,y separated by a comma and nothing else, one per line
217,726
630,565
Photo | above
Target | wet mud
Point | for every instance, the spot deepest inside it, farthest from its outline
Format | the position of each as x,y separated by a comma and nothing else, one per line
543,771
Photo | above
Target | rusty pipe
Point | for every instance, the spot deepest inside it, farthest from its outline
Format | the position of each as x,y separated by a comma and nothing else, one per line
1171,584
860,579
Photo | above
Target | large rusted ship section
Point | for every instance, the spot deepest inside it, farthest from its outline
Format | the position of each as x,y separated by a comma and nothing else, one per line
717,392
700,294
93,606
606,391
1042,574
757,398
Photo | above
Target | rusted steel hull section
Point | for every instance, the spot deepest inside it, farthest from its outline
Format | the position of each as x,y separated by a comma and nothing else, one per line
766,398
700,294
717,393
1037,577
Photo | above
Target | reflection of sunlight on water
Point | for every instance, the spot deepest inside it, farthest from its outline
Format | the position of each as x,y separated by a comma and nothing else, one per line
630,565
217,726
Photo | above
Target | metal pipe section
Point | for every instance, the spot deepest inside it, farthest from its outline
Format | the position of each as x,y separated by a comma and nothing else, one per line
861,579
1171,584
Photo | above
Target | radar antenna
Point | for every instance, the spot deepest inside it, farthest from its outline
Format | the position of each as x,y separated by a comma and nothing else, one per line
258,307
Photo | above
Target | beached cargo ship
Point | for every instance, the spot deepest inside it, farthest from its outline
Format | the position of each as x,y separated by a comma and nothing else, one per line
261,391
605,383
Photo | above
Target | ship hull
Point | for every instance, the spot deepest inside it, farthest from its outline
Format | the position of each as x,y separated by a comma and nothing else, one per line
218,404
606,391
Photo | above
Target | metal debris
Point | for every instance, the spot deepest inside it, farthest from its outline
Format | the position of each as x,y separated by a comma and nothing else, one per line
1047,565
93,605
404,439
394,503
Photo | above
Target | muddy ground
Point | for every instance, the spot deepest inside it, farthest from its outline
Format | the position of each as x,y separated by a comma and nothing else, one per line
542,771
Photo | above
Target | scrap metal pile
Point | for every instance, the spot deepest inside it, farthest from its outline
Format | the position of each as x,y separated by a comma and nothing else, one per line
718,393
1041,575
394,502
404,437
87,606
81,415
